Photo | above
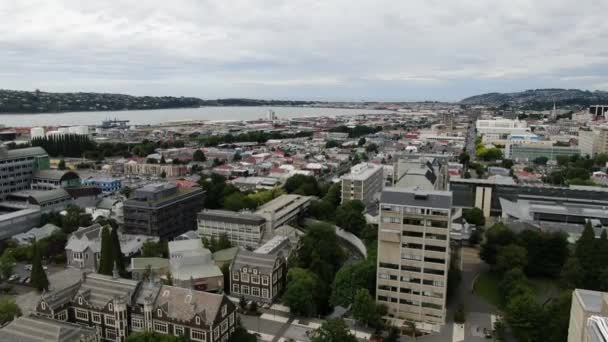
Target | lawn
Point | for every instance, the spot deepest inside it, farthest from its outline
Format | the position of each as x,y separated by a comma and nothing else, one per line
486,287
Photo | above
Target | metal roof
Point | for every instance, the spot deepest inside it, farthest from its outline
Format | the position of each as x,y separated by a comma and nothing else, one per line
416,198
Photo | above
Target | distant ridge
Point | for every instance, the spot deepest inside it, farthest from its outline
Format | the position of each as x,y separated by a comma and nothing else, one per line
18,101
540,99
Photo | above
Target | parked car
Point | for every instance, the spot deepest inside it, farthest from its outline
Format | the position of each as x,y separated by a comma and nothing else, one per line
14,277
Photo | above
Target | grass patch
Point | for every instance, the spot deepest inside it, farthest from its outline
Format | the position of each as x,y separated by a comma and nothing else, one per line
486,287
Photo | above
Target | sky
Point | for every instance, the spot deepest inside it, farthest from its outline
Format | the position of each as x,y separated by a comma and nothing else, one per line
333,50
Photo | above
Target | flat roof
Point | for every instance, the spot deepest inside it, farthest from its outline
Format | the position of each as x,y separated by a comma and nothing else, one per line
416,198
231,216
591,301
362,171
282,202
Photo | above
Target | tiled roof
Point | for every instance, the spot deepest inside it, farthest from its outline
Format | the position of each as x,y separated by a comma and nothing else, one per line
98,289
38,329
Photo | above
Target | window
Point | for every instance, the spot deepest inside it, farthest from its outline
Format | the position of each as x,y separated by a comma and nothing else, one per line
255,279
231,319
109,320
216,332
178,330
235,276
198,335
159,313
245,289
245,277
161,327
224,310
63,315
244,269
82,315
43,305
235,288
264,280
224,326
255,291
197,320
110,334
96,318
137,323
79,300
110,307
265,293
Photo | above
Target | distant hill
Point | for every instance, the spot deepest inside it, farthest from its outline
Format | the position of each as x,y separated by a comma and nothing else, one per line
540,99
16,101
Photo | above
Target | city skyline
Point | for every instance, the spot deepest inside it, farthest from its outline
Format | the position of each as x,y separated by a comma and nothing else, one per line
336,51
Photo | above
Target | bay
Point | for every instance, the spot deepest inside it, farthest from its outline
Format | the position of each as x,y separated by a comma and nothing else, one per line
157,116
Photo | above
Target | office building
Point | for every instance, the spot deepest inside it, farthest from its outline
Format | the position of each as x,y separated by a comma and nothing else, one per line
421,171
585,304
116,307
55,179
162,210
529,152
501,128
363,183
593,142
17,168
283,210
413,255
259,277
105,184
242,228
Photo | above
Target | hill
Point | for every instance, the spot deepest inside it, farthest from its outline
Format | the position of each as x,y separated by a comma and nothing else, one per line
17,101
540,99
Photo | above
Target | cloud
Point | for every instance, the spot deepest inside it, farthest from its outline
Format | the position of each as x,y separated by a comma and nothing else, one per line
300,49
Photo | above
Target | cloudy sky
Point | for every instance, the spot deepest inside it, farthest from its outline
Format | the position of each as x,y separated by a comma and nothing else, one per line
293,49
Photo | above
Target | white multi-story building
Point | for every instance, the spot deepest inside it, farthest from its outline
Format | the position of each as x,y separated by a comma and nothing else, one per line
501,128
594,141
414,255
364,181
283,210
242,229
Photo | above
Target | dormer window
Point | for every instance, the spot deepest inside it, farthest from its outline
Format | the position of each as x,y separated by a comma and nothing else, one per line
110,307
43,305
197,320
224,310
244,269
79,300
159,313
255,271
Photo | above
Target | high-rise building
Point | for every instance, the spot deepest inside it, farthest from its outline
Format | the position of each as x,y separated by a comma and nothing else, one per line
17,168
162,210
364,181
414,254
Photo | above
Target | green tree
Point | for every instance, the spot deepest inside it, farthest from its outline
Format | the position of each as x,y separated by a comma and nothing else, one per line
126,191
75,217
238,201
464,158
371,148
364,308
496,236
332,144
303,185
572,275
525,317
349,216
333,330
151,249
117,256
38,276
61,165
507,163
106,259
9,310
460,315
223,242
474,216
199,156
513,279
320,240
541,161
359,275
7,264
510,257
154,337
163,174
240,334
361,142
557,314
300,293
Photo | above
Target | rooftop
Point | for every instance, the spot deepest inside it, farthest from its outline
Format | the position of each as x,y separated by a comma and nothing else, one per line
39,329
282,203
416,198
591,301
231,216
362,171
23,152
